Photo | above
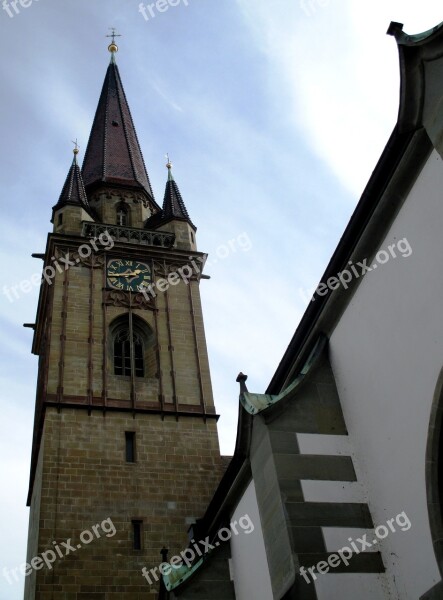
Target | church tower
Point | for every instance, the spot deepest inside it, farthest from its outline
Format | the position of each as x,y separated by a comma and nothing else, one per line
125,450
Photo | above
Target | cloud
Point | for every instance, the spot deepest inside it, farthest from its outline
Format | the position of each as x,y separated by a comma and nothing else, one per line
341,82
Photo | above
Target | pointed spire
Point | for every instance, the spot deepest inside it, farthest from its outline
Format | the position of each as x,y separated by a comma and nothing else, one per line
113,155
173,205
73,191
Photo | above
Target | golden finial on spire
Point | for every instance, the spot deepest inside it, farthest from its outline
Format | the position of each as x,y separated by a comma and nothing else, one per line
76,148
113,46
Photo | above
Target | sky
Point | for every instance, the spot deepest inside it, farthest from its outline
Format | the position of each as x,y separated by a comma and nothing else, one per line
274,115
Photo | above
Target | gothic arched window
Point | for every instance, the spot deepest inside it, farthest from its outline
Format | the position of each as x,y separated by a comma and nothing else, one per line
136,353
122,353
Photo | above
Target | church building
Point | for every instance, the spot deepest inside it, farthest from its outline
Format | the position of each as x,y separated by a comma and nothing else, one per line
335,488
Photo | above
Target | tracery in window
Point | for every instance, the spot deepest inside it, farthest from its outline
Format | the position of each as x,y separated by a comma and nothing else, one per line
122,353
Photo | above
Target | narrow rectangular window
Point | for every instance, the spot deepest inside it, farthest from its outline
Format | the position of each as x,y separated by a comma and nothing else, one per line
137,534
130,446
60,218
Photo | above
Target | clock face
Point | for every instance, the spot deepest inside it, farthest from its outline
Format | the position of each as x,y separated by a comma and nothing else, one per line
128,275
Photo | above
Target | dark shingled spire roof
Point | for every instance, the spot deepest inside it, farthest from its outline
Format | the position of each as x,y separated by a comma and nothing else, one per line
113,155
73,191
173,205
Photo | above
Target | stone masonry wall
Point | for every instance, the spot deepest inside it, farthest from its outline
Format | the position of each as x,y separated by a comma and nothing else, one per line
86,480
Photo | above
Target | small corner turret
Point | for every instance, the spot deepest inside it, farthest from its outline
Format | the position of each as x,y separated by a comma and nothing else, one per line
72,207
174,217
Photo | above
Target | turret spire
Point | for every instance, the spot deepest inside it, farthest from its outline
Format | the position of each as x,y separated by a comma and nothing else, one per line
173,204
73,192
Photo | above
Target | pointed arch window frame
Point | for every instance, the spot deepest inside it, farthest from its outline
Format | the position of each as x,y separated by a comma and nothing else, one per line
131,361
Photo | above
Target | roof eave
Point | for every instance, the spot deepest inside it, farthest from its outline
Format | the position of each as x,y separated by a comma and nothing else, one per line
396,29
121,184
420,57
163,221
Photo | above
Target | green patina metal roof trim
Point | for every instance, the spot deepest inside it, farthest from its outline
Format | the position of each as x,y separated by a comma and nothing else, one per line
396,29
256,403
179,575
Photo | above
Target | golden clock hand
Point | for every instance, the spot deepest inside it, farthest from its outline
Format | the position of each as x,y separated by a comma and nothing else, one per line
139,271
133,274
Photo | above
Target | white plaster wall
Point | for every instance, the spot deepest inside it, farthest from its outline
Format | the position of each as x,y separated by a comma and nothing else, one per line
365,586
339,537
333,491
249,563
386,354
344,586
329,491
330,445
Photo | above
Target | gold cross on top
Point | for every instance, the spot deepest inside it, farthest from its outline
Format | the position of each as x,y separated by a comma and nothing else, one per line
113,35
